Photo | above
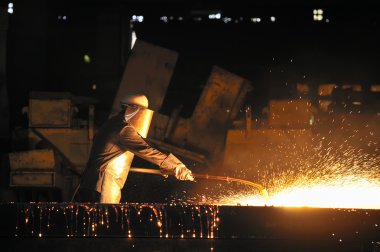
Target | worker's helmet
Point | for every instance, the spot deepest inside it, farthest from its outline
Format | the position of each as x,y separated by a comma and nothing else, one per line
138,100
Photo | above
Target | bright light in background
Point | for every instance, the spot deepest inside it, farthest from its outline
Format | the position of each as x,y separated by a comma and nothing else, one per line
227,20
362,194
318,14
164,19
273,19
339,179
87,58
10,8
215,16
133,39
138,19
256,19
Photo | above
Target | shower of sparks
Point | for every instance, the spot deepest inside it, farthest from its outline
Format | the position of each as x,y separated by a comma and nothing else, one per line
338,179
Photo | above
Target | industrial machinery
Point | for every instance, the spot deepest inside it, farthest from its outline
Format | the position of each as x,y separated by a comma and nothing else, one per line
216,139
259,149
58,144
200,139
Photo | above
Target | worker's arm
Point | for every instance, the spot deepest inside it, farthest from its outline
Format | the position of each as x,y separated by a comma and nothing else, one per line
131,141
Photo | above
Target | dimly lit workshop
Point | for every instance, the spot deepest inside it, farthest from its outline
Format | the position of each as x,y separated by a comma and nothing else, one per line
189,125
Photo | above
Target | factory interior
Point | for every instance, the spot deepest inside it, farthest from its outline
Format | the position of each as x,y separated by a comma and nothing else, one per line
270,108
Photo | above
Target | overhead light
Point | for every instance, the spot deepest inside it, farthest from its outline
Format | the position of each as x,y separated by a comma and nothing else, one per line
164,19
10,8
136,18
272,18
255,19
318,15
215,16
226,20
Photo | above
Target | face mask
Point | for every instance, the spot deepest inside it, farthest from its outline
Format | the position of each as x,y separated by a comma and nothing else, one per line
129,116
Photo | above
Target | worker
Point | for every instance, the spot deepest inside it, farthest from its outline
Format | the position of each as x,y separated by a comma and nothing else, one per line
102,181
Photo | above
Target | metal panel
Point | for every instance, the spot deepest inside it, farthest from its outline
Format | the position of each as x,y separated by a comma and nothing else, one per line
148,71
33,159
218,105
265,149
32,179
72,143
49,110
158,126
290,113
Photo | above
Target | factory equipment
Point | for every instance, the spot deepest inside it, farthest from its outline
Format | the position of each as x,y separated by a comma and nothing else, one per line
55,127
58,143
201,138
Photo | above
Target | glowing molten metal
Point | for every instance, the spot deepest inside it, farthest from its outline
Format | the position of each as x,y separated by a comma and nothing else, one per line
338,178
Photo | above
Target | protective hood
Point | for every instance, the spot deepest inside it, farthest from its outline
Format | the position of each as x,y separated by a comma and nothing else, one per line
128,116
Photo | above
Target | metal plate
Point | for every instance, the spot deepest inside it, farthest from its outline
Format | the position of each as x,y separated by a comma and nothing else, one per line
32,179
33,159
148,71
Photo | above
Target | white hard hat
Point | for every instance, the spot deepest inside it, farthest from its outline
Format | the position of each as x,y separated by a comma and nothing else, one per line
135,99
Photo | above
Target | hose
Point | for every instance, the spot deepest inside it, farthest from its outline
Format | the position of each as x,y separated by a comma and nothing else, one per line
261,189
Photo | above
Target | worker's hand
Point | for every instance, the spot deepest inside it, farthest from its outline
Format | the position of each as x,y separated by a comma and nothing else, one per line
182,173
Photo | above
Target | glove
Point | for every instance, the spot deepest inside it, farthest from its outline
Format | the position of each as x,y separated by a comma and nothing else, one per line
172,165
182,173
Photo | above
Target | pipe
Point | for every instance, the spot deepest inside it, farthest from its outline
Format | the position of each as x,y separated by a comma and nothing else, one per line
261,189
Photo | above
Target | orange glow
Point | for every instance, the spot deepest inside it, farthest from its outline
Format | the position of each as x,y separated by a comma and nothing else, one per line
344,192
326,89
343,177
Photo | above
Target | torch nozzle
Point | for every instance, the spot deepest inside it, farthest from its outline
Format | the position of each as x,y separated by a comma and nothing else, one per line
264,193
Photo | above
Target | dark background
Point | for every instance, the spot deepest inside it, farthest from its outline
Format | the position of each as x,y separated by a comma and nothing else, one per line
45,50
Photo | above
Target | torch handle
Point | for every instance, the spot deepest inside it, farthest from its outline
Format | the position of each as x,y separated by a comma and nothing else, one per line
206,176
